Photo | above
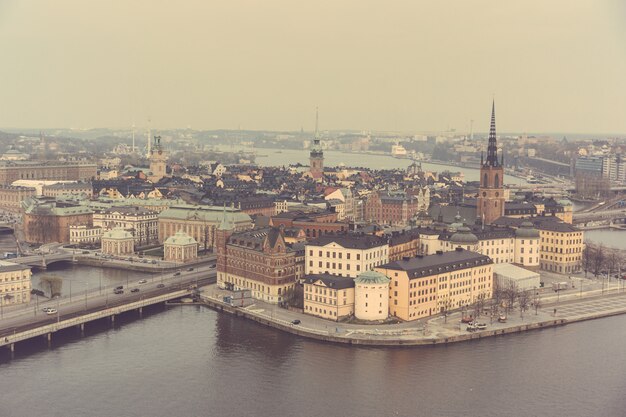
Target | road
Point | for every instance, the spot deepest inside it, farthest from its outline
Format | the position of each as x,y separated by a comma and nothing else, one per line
30,315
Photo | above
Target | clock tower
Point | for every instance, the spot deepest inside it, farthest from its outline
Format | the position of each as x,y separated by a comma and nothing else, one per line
158,160
490,203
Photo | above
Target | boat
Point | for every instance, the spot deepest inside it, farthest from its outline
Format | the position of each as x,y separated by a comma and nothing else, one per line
480,326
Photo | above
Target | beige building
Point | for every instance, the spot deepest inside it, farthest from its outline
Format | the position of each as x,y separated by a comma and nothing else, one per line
561,247
199,222
15,284
64,188
180,248
345,255
118,242
11,197
427,285
371,296
11,171
140,222
85,235
329,297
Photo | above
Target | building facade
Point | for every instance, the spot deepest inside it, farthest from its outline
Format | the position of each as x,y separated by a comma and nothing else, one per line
141,223
11,171
50,221
427,285
158,161
346,255
259,260
562,247
328,296
11,197
15,283
371,296
118,242
180,248
85,235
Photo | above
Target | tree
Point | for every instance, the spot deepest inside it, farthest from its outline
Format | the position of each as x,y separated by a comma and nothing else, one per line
598,260
294,296
52,283
523,299
445,309
536,300
587,259
511,293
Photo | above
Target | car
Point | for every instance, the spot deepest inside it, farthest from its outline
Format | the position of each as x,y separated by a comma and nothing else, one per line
153,262
118,291
51,311
212,266
296,321
176,274
119,287
135,290
161,286
45,309
143,281
189,269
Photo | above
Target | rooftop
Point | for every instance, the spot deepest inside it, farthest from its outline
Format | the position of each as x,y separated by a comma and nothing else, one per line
439,263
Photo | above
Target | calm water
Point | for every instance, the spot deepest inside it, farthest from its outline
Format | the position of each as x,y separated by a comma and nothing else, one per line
191,361
608,237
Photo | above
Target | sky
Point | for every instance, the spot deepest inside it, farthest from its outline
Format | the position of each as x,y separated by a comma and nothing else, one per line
408,66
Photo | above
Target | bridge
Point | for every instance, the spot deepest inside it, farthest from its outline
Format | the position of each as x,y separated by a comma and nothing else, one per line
23,322
600,218
42,261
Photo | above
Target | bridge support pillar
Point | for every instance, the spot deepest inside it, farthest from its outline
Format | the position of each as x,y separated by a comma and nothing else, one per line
140,311
82,328
49,338
12,347
112,318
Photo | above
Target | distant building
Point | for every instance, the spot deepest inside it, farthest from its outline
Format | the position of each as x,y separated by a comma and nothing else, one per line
371,296
490,203
11,197
158,161
85,235
11,171
141,223
49,221
328,296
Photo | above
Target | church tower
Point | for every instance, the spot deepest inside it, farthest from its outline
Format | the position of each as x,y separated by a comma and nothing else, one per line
158,160
316,157
490,203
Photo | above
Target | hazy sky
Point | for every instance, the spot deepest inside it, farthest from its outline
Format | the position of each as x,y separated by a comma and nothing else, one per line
553,66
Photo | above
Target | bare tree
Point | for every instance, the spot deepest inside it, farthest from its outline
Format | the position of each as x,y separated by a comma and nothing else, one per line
511,294
523,299
598,260
587,259
445,309
479,305
52,283
536,300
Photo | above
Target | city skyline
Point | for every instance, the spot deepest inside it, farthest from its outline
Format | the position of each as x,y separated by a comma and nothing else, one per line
267,67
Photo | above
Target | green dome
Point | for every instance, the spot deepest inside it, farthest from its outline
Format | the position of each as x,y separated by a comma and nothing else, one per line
180,238
464,236
565,202
527,230
117,233
371,277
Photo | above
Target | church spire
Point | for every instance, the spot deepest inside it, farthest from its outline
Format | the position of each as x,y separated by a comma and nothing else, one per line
492,148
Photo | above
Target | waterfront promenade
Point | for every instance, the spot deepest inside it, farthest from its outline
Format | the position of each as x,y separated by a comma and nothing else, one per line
569,308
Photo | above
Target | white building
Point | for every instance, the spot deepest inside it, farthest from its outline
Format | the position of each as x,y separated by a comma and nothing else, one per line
15,284
524,279
371,296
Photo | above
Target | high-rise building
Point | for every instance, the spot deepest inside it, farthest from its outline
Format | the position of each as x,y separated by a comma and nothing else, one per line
490,203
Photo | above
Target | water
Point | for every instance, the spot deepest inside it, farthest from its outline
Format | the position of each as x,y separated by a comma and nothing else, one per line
279,157
192,361
608,237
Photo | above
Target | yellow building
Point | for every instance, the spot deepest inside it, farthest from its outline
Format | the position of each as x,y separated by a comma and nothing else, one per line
427,285
329,297
561,247
180,248
118,242
15,284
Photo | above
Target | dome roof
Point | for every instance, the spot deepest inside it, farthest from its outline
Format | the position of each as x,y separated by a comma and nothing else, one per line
464,236
117,233
371,277
180,238
565,202
527,230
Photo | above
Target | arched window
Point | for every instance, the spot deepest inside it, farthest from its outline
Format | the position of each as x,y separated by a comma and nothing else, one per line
497,182
485,180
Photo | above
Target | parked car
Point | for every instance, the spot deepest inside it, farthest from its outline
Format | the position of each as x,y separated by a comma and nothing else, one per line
118,291
189,269
176,274
296,321
51,311
45,309
143,281
119,287
161,286
135,290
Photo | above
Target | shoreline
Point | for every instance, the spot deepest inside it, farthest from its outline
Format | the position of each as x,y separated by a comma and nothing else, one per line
411,337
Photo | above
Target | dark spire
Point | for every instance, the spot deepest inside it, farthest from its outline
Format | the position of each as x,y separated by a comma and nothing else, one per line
492,148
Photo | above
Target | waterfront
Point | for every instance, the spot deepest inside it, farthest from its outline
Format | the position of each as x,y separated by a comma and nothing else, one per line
278,157
191,361
612,238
